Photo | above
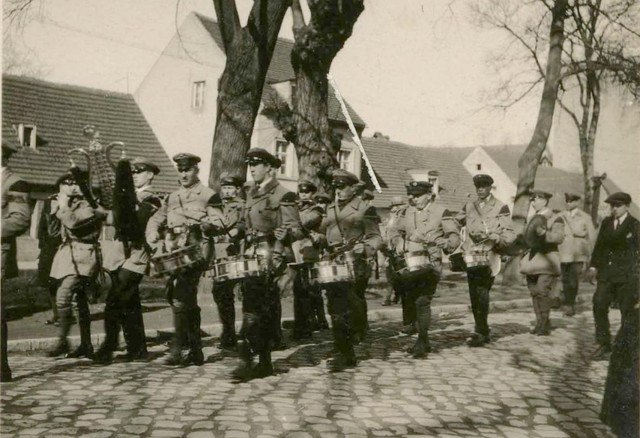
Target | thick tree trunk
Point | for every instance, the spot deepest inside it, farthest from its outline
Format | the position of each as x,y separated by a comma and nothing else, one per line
588,153
528,163
314,150
249,51
316,45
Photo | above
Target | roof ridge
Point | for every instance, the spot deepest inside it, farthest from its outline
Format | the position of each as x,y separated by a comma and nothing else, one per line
58,85
213,21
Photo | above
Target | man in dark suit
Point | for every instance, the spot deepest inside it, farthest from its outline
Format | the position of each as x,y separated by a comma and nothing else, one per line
615,261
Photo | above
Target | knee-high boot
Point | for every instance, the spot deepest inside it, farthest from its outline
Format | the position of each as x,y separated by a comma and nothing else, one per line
65,327
423,317
536,309
544,308
179,337
195,341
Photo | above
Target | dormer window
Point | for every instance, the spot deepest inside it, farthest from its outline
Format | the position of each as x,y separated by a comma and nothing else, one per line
27,135
344,158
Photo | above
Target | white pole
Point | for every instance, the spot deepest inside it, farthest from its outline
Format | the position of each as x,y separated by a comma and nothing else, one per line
354,133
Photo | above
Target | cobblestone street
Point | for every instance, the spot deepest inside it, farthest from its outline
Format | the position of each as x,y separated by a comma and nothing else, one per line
520,386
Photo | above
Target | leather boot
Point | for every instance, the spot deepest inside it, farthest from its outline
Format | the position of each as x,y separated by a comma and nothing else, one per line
536,309
544,307
423,317
264,367
175,353
195,355
65,326
85,349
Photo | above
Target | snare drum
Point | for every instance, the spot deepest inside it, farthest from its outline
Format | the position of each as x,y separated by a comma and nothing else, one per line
415,264
237,268
178,260
476,258
331,271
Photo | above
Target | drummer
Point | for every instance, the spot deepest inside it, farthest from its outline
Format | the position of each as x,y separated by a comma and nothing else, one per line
190,214
541,264
349,229
426,228
272,222
227,244
318,316
488,229
305,252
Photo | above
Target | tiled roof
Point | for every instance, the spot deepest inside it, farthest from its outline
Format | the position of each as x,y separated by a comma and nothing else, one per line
391,160
280,70
60,112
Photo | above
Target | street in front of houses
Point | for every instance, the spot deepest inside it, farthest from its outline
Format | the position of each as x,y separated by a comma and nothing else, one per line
520,386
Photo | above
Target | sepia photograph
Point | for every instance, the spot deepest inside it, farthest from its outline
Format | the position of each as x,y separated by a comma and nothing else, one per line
320,218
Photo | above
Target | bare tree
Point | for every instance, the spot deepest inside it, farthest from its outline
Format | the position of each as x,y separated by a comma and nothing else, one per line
592,53
306,122
249,50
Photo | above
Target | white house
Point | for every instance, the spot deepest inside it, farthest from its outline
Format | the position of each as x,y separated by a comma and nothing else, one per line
178,97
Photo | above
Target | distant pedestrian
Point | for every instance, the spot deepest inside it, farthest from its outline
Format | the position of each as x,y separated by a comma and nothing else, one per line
541,263
615,263
575,249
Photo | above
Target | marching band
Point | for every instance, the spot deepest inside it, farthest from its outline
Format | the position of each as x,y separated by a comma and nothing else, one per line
327,244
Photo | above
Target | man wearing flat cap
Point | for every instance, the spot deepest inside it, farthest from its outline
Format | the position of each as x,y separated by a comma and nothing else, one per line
541,263
488,230
615,262
575,249
16,217
127,267
272,222
228,245
191,216
352,236
397,208
426,229
75,264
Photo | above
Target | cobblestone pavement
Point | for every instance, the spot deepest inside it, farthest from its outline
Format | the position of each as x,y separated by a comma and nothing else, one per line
520,386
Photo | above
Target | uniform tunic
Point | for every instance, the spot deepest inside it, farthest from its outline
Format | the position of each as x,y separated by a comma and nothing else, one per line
16,216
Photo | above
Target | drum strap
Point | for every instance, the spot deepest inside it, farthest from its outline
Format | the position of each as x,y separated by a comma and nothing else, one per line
335,213
484,224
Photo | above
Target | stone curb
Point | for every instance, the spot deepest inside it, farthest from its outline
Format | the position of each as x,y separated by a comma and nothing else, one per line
40,344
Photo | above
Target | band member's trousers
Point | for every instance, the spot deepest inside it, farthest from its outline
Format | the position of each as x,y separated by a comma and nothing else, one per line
77,286
223,295
301,303
183,298
570,280
123,309
608,291
339,304
541,287
480,282
420,292
260,315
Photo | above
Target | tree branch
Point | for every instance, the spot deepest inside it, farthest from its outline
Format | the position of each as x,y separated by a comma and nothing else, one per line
229,21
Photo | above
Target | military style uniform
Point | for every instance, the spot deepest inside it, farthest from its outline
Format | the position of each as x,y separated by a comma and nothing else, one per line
306,252
76,265
428,230
488,227
542,268
185,214
48,242
616,256
575,251
349,226
223,293
123,300
269,206
16,215
408,311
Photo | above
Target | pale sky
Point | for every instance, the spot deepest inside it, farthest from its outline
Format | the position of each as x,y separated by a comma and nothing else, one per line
413,69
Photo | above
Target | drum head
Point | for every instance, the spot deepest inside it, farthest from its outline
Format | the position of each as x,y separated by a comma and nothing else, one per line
495,263
531,238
